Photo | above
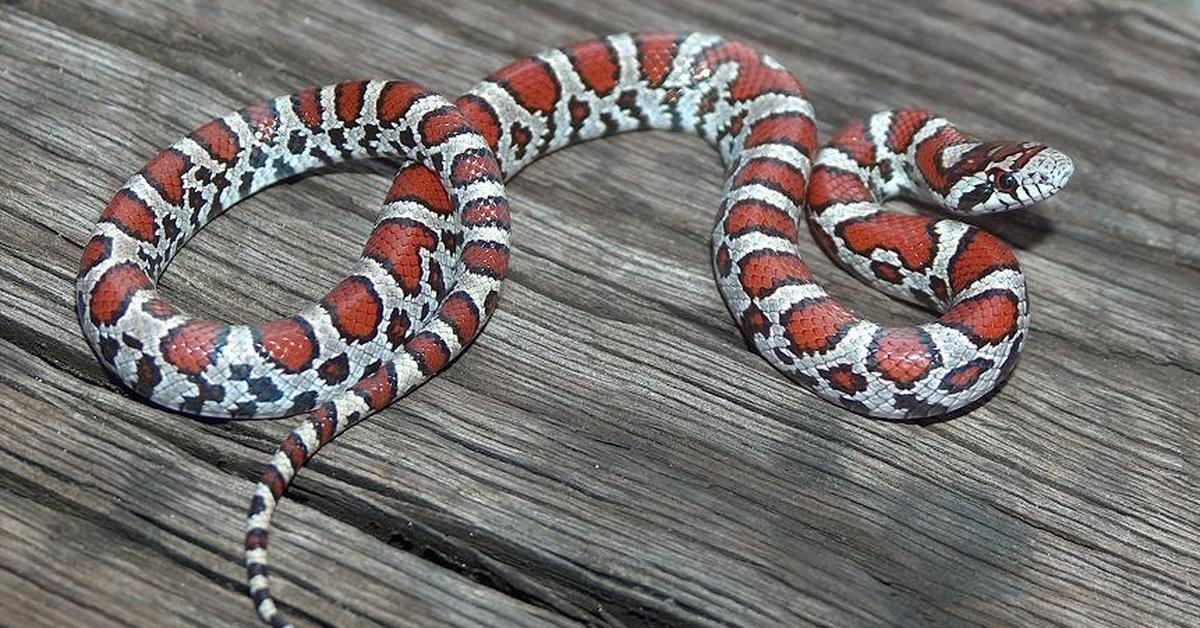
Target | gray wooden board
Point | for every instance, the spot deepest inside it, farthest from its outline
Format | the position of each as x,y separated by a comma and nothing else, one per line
609,451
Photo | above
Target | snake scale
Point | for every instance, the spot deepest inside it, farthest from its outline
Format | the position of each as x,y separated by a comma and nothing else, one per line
431,270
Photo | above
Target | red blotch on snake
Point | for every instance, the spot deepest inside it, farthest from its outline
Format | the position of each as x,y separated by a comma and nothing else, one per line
95,251
165,173
490,211
595,64
348,101
429,351
485,259
986,318
754,215
844,379
324,422
308,107
752,84
395,99
815,325
764,271
397,329
114,290
397,245
131,215
460,313
789,128
907,236
531,83
775,174
378,388
853,141
355,309
979,254
902,355
417,182
295,450
289,342
966,375
482,117
828,187
220,141
471,167
438,125
905,125
191,347
655,52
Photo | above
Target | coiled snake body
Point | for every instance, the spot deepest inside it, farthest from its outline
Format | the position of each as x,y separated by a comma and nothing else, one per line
430,272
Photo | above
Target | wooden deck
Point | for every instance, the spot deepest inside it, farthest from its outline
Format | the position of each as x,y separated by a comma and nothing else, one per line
609,452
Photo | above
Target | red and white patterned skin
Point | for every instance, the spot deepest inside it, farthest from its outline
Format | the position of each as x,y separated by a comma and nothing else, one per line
431,270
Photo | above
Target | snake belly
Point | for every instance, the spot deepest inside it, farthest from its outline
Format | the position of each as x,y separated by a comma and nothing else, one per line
430,272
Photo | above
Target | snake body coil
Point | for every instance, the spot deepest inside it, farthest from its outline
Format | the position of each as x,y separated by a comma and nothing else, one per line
430,272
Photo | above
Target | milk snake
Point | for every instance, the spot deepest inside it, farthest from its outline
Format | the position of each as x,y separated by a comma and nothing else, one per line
430,272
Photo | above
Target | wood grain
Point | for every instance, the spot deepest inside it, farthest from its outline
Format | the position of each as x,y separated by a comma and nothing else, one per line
609,452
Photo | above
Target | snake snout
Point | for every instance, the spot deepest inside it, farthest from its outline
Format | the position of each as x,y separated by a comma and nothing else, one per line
1066,169
1048,172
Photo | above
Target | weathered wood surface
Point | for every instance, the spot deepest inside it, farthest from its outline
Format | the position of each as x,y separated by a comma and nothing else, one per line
609,452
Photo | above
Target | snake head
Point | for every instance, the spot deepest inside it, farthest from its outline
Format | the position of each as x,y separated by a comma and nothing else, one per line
1001,176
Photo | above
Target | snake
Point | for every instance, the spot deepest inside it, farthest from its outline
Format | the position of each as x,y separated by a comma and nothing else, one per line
431,271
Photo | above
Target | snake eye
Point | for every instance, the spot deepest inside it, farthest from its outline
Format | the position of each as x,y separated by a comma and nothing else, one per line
1004,181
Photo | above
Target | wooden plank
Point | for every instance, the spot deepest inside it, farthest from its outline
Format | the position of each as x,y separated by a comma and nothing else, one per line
609,452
